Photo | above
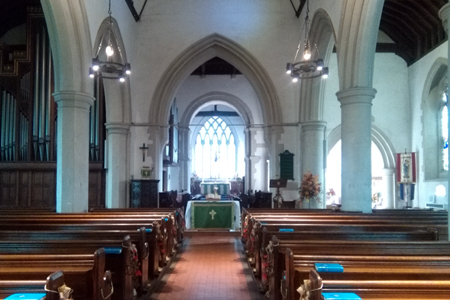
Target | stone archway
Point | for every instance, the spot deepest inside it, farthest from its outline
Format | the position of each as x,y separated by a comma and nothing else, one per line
217,97
214,46
387,152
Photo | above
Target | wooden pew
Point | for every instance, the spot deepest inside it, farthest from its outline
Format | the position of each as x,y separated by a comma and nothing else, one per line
176,213
84,273
380,289
261,235
166,221
360,267
118,257
159,241
137,237
334,233
277,253
47,286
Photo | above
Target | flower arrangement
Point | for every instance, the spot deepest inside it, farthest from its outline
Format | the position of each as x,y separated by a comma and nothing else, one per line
331,192
310,186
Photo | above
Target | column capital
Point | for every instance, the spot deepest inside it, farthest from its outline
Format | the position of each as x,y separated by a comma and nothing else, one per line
444,14
117,128
73,99
313,125
356,95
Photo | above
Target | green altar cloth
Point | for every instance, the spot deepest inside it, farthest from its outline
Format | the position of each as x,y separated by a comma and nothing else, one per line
211,214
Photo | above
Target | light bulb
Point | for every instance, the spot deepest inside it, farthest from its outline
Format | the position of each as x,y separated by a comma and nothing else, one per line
95,65
127,69
288,68
319,64
109,50
307,54
295,79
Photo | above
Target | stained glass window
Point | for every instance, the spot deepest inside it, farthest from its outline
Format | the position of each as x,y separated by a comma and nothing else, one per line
215,150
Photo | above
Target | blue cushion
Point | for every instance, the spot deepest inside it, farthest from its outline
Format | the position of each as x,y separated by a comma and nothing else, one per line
340,296
335,268
286,229
113,250
26,296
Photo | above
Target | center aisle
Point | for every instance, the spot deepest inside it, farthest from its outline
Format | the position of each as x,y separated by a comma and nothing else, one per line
208,267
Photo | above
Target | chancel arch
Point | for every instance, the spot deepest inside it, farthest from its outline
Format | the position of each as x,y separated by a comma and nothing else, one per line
209,47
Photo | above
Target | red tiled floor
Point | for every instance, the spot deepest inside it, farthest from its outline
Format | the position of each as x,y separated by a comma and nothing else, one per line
210,267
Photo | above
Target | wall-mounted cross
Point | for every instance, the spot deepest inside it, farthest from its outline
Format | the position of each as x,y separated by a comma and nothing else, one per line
143,148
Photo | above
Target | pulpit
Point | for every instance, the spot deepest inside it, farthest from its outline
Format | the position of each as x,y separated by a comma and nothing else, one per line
143,193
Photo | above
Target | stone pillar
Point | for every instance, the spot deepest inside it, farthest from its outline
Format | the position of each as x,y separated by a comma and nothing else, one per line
184,158
72,168
248,162
117,173
356,111
388,188
444,14
312,144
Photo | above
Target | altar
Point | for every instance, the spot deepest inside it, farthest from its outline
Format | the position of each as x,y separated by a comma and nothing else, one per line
213,214
223,188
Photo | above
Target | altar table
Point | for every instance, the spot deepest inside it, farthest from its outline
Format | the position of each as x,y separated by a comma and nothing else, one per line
213,214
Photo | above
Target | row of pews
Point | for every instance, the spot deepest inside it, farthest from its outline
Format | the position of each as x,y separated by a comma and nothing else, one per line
328,254
117,254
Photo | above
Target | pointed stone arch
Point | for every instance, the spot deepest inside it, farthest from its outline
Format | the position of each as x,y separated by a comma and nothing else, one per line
70,40
200,52
323,35
429,119
378,137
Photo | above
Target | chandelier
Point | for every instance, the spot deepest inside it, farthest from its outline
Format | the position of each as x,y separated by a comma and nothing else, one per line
306,68
109,69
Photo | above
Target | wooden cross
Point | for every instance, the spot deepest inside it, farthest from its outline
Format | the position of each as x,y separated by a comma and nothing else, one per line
143,148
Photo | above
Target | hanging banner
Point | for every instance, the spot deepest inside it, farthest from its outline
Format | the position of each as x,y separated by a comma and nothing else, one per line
406,167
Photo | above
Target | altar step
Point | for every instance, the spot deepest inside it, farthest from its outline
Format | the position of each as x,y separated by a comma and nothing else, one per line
211,232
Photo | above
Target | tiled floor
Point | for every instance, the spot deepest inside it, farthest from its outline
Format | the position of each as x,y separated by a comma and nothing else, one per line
208,267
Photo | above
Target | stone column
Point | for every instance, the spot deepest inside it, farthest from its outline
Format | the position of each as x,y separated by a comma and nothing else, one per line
444,14
117,173
388,188
312,145
356,110
184,158
72,167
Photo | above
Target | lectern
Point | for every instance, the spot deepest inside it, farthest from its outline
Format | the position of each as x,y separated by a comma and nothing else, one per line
278,183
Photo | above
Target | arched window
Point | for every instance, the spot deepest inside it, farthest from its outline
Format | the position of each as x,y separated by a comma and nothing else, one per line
444,132
215,150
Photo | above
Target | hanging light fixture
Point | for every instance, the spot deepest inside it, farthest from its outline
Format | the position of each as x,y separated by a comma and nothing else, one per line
109,69
306,68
